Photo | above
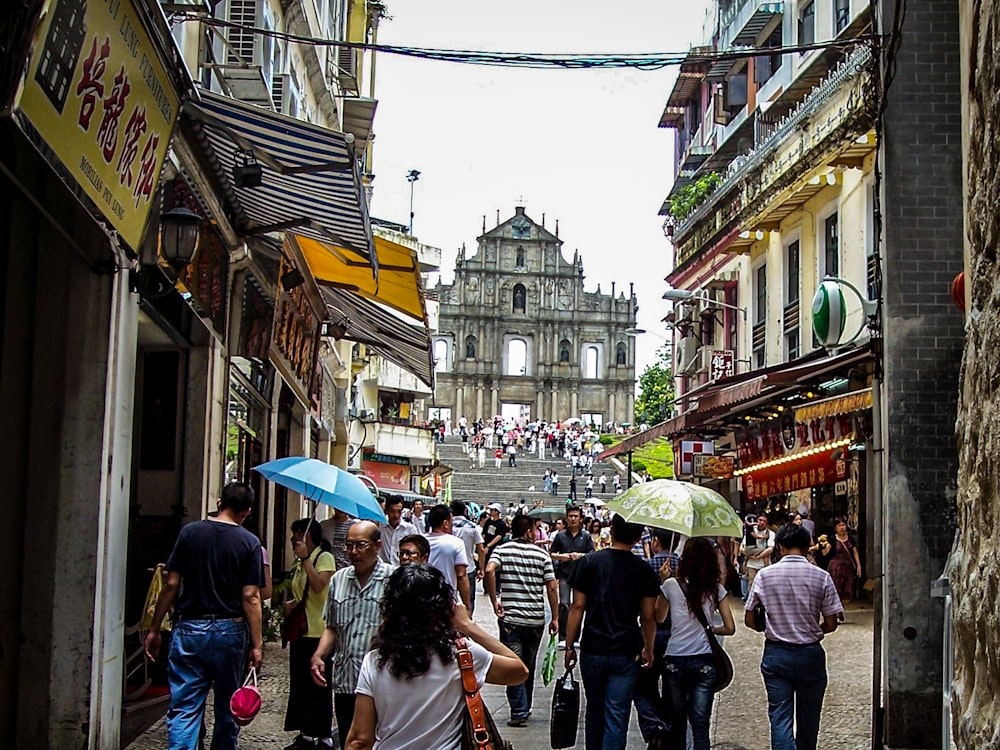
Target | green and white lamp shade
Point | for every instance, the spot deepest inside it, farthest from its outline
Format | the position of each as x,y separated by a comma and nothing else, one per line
829,313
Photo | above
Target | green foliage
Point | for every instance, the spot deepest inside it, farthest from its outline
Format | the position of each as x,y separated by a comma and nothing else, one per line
656,390
657,458
607,440
232,442
638,465
691,196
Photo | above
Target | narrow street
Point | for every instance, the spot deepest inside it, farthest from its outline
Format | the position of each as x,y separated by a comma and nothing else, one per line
739,719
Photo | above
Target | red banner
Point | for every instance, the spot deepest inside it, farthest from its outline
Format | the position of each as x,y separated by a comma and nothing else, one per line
815,470
387,476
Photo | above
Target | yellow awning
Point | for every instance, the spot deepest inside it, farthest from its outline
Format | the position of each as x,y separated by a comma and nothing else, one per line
398,284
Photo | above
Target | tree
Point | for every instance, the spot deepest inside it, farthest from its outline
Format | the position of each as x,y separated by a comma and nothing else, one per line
656,390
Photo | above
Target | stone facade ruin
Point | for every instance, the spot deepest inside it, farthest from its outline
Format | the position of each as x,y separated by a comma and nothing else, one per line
517,332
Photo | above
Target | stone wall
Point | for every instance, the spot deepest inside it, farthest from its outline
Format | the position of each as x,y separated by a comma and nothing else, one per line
975,570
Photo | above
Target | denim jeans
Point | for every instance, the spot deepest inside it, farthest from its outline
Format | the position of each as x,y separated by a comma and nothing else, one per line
795,679
609,682
565,601
204,655
690,683
523,640
650,703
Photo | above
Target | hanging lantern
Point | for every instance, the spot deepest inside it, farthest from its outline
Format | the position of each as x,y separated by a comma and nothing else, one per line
958,291
829,313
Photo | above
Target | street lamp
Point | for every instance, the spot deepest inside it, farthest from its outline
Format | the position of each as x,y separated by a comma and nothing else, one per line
688,297
412,176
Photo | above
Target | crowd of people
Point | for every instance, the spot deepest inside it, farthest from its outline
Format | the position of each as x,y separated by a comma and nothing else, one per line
386,608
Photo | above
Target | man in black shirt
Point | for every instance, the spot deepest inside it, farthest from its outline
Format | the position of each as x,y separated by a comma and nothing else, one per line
221,566
568,546
495,529
617,590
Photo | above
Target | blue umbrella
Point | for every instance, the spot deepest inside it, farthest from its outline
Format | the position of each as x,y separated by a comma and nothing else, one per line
324,483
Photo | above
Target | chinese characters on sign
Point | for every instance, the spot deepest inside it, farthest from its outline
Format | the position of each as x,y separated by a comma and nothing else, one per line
99,97
722,365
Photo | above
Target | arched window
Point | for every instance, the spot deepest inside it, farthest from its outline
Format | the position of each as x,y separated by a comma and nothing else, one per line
621,356
564,351
519,261
591,363
440,356
519,297
517,357
470,347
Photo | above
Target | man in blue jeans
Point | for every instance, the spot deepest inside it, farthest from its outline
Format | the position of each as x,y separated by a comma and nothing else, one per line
800,604
617,591
221,566
528,580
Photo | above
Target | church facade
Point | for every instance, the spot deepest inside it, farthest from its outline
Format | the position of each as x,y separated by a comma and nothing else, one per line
519,336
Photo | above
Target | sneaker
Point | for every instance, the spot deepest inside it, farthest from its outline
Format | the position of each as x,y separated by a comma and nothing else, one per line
561,646
517,721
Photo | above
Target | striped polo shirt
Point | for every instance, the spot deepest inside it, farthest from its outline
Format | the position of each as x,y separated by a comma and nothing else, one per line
524,569
795,593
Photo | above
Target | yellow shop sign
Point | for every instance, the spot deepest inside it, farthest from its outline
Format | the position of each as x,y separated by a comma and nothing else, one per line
99,99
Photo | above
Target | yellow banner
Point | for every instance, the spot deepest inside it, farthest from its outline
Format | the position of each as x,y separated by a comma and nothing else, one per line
99,97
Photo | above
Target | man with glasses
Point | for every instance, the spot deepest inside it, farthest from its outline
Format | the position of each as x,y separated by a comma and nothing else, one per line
414,549
352,618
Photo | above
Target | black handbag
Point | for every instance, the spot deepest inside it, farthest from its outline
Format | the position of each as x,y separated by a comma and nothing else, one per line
759,615
296,623
565,716
479,730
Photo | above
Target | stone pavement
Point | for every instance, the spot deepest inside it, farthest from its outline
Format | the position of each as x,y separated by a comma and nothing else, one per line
739,718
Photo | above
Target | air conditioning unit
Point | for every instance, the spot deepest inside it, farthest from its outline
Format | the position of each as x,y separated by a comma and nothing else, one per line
704,359
354,458
245,59
686,355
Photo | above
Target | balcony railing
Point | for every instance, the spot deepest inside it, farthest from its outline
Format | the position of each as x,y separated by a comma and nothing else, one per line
847,70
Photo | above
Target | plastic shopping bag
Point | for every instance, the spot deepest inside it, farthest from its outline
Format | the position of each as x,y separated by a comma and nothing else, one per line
549,665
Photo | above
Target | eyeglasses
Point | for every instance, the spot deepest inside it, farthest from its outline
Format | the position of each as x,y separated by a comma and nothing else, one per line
409,553
360,546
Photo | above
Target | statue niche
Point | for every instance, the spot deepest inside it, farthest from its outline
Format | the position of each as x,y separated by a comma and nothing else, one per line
621,356
519,298
564,352
470,347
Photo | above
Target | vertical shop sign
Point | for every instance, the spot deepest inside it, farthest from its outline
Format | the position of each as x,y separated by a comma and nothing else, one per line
99,99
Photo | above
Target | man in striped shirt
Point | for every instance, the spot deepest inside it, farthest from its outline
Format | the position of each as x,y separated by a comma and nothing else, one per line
528,579
800,604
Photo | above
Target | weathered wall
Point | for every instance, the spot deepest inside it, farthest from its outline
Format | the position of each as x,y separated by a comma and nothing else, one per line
975,574
922,204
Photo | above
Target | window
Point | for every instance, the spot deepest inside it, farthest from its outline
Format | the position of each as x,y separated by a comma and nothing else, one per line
871,266
736,92
519,296
733,320
831,245
841,14
807,24
792,344
517,357
766,66
440,356
760,294
564,352
792,272
592,362
519,258
470,347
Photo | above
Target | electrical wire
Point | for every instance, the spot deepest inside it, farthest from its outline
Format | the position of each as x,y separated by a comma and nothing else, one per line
536,60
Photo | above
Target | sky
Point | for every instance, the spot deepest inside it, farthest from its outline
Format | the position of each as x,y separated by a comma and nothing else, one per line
580,146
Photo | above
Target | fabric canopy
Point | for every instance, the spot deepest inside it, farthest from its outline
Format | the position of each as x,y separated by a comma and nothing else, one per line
398,283
389,336
310,180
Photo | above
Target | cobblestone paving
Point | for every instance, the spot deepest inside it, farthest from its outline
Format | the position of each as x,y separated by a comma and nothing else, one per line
739,717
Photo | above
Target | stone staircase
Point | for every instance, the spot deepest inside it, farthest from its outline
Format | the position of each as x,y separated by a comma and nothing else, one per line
507,485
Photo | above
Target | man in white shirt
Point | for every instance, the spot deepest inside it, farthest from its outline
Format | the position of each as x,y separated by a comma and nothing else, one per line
475,551
394,530
448,551
759,553
417,517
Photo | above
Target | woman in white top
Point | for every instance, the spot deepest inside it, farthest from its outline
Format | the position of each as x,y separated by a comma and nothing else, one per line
689,668
409,692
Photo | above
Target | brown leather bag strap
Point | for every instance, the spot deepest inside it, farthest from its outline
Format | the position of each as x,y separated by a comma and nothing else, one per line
473,700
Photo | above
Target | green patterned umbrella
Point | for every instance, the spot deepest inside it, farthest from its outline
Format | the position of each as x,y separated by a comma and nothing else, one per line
686,508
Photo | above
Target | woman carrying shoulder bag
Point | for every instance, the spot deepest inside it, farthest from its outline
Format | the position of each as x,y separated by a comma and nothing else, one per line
310,707
689,670
410,691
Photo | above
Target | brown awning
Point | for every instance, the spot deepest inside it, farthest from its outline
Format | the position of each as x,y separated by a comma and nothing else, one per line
663,429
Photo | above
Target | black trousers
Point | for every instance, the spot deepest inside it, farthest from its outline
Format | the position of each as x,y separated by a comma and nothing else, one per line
310,707
343,706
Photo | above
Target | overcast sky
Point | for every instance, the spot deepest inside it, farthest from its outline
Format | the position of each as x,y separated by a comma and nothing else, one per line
579,146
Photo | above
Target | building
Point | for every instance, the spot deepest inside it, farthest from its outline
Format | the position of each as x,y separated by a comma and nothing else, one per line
518,335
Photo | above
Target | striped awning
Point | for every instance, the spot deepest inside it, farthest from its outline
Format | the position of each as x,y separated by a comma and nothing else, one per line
382,330
311,180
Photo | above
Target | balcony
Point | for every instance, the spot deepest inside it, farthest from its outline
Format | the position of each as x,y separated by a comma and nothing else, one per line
405,440
746,20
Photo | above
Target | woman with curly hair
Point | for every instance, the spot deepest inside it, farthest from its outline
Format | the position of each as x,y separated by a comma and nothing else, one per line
409,692
689,668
